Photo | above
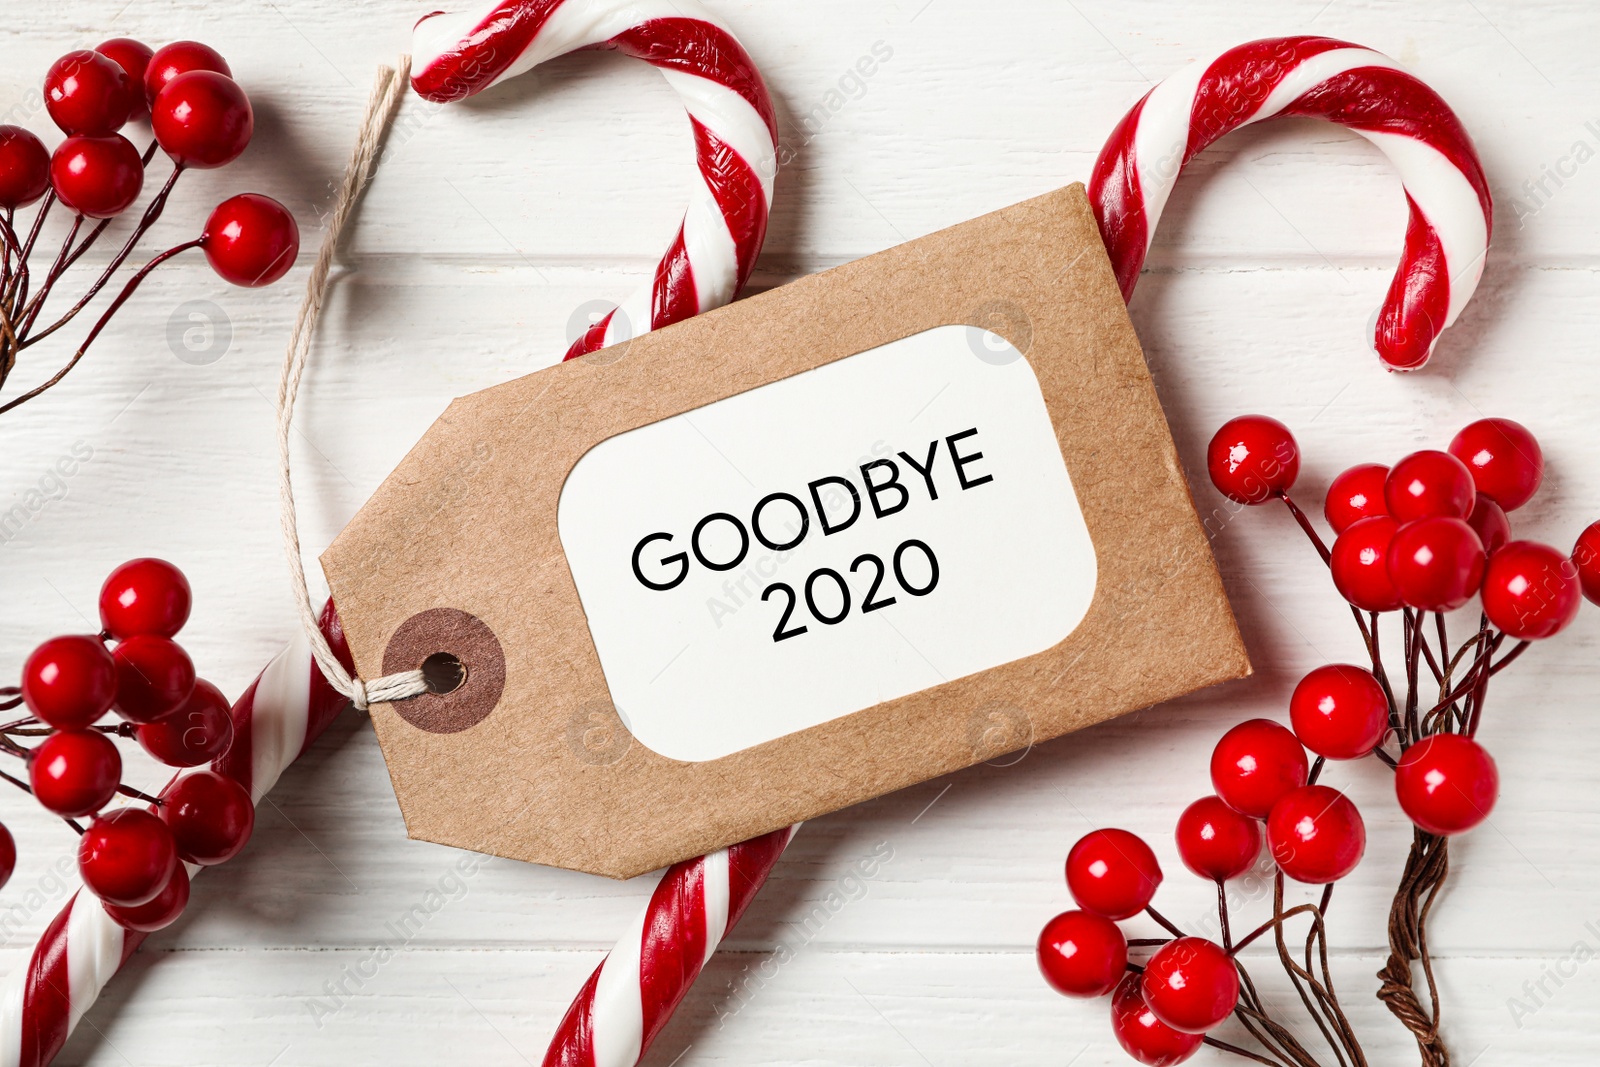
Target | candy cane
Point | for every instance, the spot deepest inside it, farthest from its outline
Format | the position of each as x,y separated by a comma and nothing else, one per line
735,132
280,715
1355,87
634,991
632,994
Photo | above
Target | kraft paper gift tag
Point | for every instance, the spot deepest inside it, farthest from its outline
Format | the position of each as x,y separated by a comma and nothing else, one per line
836,539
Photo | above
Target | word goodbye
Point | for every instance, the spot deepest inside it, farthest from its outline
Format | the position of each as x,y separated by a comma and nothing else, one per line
781,521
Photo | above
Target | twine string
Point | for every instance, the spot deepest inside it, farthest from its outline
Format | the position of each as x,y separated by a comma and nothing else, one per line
387,92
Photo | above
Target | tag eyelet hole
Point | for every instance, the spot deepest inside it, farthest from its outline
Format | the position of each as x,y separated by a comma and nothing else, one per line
443,673
463,686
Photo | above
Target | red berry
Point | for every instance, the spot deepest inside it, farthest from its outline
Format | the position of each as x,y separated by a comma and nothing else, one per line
97,177
211,817
1216,842
1437,564
196,733
1446,783
24,167
144,596
134,58
1082,954
177,58
1360,564
69,682
1316,835
154,677
88,93
202,119
1339,711
1356,494
126,857
1504,458
1427,484
1143,1036
1112,873
1253,459
8,856
1191,984
251,240
1586,557
161,911
1489,522
75,772
1255,764
1531,591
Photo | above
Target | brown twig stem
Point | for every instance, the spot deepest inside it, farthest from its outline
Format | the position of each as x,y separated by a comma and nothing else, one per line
122,297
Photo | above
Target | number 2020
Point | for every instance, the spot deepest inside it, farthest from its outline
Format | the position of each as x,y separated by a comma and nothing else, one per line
871,602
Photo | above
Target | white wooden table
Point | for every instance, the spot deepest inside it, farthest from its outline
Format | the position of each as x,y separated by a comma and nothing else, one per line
489,222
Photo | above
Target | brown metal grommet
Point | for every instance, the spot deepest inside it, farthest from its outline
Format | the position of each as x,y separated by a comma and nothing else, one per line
483,667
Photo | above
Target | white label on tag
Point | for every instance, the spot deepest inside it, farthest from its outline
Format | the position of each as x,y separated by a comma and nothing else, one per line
878,526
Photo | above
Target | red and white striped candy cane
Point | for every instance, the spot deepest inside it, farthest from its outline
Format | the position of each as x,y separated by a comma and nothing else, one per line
1344,83
735,132
280,715
632,994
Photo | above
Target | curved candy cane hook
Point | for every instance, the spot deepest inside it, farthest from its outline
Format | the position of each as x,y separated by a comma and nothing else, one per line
1451,214
735,132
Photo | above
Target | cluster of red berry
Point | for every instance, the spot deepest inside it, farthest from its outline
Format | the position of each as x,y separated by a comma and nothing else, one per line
129,856
1431,532
1420,538
1161,1012
1424,536
200,117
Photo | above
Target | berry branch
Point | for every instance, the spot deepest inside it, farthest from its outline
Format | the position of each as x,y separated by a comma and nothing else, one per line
1420,541
148,219
200,118
128,856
